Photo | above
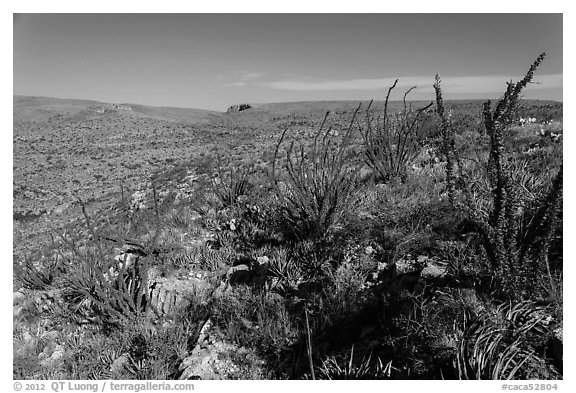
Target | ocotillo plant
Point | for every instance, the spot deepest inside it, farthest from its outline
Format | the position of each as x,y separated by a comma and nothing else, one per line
392,140
320,183
516,231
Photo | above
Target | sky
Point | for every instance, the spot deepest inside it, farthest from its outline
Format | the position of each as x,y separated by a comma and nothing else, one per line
212,61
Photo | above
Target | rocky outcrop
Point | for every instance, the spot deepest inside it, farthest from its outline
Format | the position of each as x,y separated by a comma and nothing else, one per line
406,273
213,358
238,108
165,295
113,108
169,295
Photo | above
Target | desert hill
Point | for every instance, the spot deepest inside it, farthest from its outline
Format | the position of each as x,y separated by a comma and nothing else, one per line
65,147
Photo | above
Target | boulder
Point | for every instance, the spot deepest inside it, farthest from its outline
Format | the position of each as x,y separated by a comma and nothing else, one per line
239,274
434,271
167,296
250,272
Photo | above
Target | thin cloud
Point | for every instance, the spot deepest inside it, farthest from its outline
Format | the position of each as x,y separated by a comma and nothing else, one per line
242,78
455,85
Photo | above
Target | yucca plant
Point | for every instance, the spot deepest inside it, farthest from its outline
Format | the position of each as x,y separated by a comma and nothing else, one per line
392,140
516,225
321,181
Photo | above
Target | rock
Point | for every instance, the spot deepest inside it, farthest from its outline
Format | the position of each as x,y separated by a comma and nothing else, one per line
203,335
232,224
169,295
366,173
51,355
200,365
221,290
113,108
58,353
263,260
238,108
249,272
17,298
399,276
217,359
405,266
118,365
556,348
559,333
369,250
422,259
238,274
17,311
434,271
382,266
214,359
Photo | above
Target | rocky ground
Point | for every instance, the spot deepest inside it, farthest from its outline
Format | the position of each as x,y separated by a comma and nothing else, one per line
82,166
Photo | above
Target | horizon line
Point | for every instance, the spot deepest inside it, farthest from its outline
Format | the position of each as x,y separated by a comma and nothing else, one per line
271,102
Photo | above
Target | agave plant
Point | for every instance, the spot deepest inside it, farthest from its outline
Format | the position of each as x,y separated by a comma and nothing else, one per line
365,369
500,344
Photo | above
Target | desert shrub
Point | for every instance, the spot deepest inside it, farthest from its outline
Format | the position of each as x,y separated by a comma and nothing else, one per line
155,353
258,319
320,184
243,228
518,219
423,329
393,140
467,262
345,292
137,351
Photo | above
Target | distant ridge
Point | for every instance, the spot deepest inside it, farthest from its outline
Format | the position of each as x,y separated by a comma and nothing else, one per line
32,108
36,108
